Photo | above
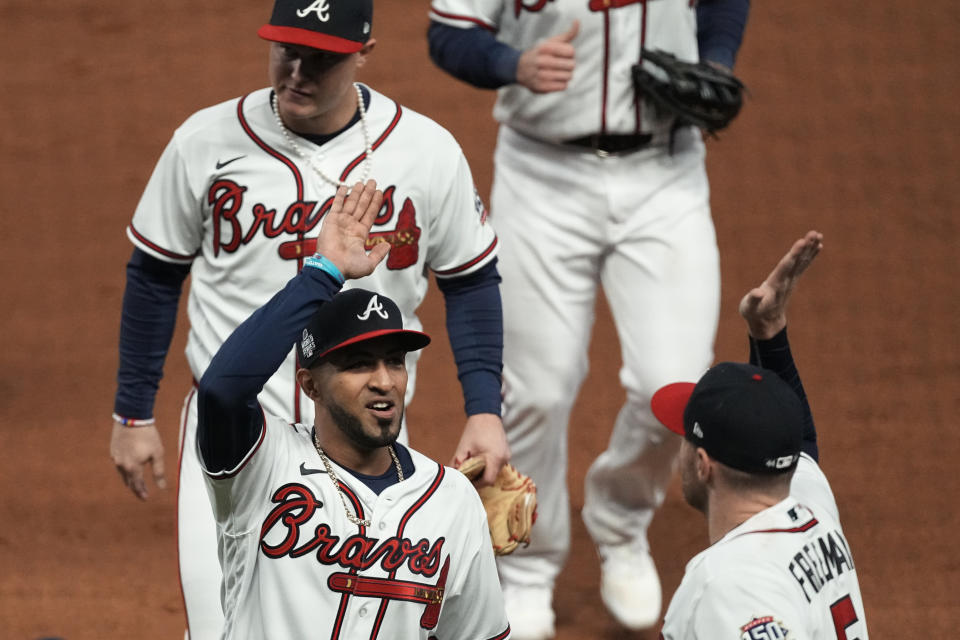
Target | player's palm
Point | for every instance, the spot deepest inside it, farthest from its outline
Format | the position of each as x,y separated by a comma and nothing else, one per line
346,227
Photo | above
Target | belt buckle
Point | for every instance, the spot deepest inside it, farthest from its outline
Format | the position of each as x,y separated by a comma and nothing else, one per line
601,153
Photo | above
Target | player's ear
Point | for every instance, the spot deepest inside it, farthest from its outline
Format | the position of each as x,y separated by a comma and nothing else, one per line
308,383
365,51
704,466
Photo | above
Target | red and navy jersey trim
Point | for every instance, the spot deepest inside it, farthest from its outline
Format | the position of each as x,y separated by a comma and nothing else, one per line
267,148
224,475
455,16
806,526
155,247
502,635
376,143
460,269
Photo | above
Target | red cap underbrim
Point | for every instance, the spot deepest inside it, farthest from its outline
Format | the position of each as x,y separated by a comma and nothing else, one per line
307,38
409,340
669,402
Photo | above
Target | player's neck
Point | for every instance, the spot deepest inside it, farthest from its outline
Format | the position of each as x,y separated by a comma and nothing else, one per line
371,462
326,123
728,510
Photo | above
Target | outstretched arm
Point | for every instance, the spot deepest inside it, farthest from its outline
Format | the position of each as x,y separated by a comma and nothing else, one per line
765,310
230,418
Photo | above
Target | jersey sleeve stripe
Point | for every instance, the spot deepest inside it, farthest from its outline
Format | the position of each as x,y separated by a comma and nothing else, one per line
376,143
138,237
446,17
464,267
501,636
812,522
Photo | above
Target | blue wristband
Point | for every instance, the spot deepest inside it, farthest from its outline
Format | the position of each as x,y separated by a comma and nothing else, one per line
318,261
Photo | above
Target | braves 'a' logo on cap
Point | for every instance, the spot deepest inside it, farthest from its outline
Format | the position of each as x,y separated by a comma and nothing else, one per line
373,306
307,344
320,7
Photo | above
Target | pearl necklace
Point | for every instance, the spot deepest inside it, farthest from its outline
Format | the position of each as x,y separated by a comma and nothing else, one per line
314,159
336,481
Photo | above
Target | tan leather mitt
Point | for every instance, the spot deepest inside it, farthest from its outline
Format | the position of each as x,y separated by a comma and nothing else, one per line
511,504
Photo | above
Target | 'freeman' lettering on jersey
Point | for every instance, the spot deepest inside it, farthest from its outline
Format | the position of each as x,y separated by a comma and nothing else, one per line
297,504
817,563
299,218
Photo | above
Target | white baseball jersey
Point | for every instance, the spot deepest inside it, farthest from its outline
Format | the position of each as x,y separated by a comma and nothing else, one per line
785,573
600,96
569,220
232,196
295,566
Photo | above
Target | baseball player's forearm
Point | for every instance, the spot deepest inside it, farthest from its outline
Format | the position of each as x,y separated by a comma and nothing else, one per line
475,329
774,354
147,322
230,418
473,55
720,27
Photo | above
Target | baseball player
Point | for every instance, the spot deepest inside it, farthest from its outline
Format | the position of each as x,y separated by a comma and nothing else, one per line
338,531
779,564
592,187
235,201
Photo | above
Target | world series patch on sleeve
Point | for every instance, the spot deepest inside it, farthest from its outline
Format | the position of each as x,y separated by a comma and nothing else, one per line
510,503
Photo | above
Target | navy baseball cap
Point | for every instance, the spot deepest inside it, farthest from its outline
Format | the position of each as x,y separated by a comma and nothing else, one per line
743,416
354,316
340,26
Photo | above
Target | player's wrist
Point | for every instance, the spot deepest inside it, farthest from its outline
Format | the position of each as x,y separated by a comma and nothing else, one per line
132,423
321,262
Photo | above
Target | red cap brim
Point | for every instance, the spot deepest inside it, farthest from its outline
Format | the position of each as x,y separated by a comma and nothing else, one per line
669,402
307,38
410,340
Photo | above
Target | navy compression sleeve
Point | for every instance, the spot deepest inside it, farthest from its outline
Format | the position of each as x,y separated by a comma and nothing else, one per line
230,418
147,321
475,328
720,26
774,354
473,55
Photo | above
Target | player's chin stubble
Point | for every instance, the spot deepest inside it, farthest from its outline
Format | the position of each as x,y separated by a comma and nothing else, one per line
352,427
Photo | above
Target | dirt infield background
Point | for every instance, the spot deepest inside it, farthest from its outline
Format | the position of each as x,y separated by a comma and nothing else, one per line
851,129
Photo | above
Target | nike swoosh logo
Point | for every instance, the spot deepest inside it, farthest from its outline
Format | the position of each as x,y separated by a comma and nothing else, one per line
221,165
306,471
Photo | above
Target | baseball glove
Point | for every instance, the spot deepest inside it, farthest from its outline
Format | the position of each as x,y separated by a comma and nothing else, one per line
510,503
695,93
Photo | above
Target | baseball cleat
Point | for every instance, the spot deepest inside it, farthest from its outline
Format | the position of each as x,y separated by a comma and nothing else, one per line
529,612
630,586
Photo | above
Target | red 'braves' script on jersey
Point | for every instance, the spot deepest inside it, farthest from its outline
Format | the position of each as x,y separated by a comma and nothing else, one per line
297,505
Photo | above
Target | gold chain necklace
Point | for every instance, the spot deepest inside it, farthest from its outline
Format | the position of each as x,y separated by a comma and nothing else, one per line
336,481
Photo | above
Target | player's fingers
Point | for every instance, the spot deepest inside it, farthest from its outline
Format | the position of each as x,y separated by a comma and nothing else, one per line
350,202
159,473
363,198
550,87
338,199
569,34
369,205
552,53
379,252
556,63
137,484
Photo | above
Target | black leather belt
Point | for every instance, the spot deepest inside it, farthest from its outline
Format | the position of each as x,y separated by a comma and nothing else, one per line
608,143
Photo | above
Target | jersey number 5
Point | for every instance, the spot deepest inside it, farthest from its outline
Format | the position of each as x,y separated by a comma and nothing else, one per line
843,616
